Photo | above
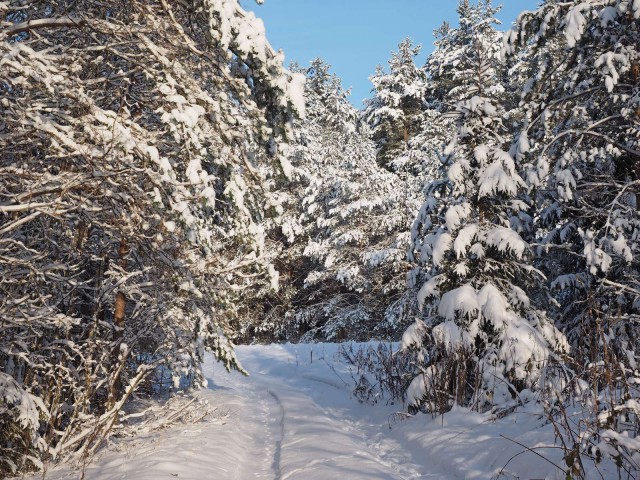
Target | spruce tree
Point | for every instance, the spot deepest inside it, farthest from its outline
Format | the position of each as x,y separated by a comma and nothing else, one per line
480,340
581,146
394,111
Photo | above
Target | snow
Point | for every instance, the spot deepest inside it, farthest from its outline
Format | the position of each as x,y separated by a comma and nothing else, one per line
414,335
495,307
170,225
566,183
595,256
429,289
441,245
505,239
499,177
462,300
417,389
26,406
294,418
295,91
575,24
519,297
451,336
455,173
461,269
464,239
608,15
274,278
607,62
564,281
456,215
620,247
481,153
287,168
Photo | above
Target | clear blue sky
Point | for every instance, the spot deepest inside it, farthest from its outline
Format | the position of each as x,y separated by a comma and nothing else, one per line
354,36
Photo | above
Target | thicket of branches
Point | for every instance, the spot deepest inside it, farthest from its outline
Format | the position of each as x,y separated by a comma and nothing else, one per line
133,145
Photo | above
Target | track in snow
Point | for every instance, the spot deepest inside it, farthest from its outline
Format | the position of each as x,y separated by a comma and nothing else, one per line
320,431
278,450
294,418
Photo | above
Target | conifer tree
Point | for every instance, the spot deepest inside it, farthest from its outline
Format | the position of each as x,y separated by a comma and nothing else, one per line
581,147
344,231
579,143
393,112
452,68
480,340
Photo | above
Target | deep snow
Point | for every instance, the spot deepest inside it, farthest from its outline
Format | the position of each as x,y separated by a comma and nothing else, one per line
294,418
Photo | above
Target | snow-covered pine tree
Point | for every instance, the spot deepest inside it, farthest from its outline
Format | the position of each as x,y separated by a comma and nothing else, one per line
581,141
131,203
480,341
581,107
451,68
345,227
450,71
393,113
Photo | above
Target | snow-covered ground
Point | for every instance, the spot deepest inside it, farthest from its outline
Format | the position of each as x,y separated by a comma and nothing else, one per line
294,418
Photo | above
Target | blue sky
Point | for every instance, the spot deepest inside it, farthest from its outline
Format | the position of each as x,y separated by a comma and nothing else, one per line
354,36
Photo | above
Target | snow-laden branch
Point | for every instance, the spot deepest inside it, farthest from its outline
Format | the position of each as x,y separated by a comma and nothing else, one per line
43,23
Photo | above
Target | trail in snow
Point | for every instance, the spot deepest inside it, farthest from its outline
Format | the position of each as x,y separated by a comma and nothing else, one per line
319,426
294,418
278,452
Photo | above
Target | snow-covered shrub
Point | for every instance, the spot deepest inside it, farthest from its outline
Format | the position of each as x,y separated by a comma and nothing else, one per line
596,418
20,414
452,377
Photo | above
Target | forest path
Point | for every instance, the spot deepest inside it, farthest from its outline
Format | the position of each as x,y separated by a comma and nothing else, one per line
293,418
316,429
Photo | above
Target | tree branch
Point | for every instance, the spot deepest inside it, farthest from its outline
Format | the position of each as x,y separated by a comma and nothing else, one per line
44,23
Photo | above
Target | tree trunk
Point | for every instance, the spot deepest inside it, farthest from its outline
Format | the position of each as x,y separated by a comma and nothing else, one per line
119,321
121,300
636,171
